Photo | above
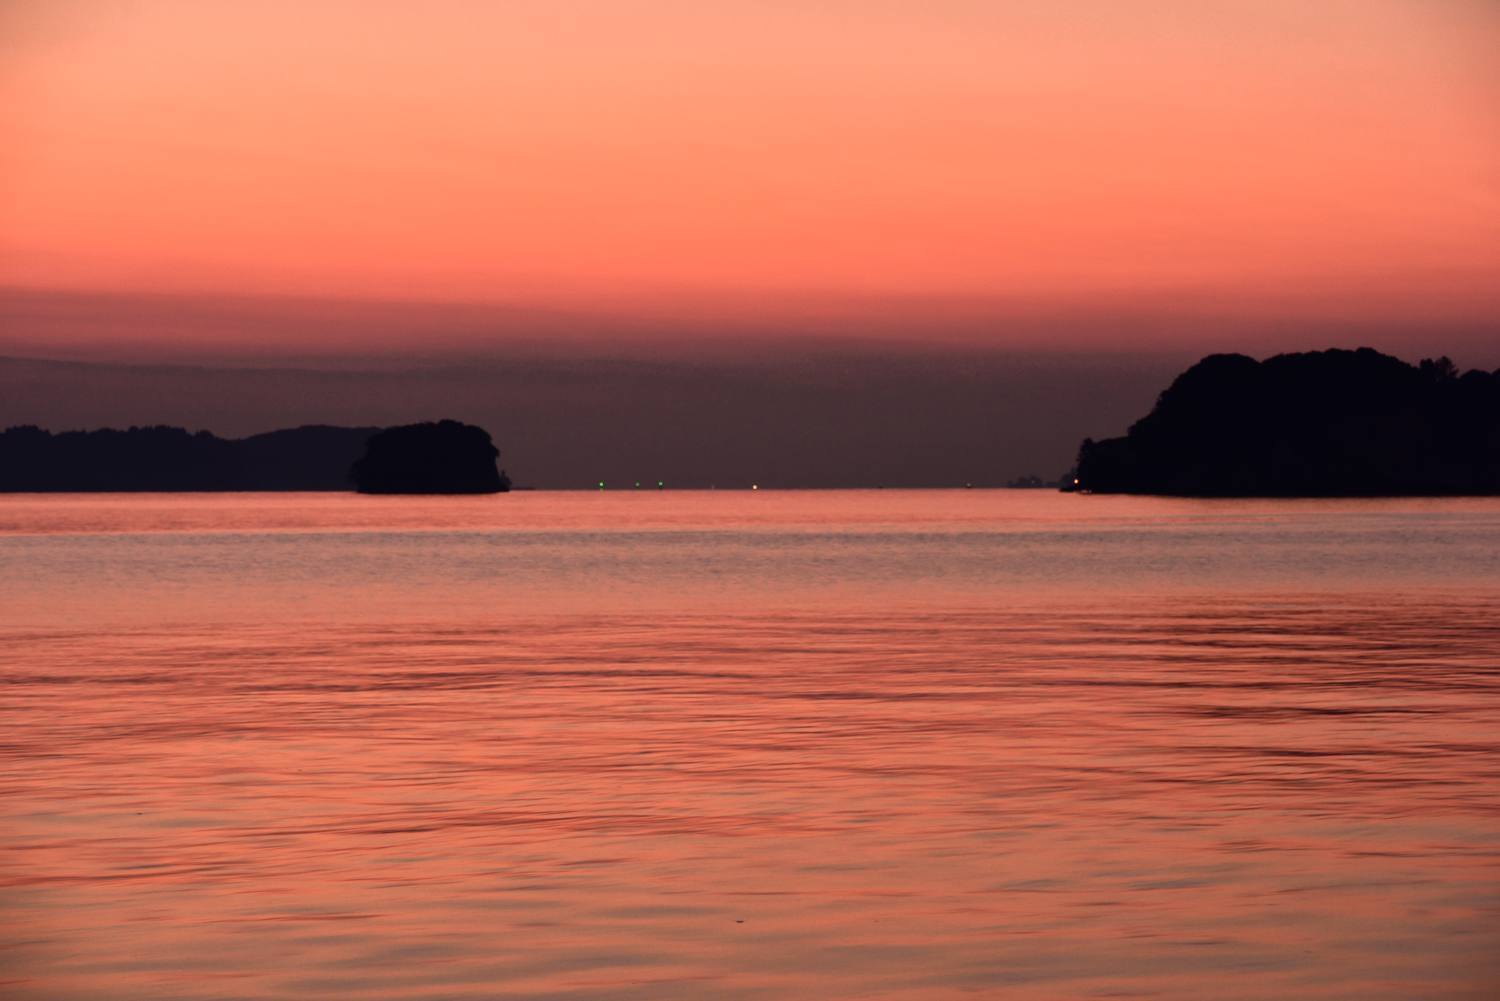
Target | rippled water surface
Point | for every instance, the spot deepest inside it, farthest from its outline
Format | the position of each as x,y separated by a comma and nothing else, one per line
729,745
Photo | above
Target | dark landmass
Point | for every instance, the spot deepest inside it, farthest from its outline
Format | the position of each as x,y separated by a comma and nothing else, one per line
442,458
1316,424
1032,482
315,457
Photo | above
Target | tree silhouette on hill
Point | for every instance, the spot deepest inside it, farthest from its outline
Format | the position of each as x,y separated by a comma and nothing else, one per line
1320,423
315,457
442,458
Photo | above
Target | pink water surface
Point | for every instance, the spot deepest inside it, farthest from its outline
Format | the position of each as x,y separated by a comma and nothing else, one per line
816,745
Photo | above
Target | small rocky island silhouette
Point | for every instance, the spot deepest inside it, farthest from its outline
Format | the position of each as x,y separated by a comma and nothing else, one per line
442,458
460,459
1314,424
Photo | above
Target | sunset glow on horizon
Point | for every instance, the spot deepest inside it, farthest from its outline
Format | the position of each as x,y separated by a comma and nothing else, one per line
713,500
665,155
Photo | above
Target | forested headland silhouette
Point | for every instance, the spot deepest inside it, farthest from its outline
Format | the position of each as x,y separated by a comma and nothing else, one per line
456,458
442,458
1316,424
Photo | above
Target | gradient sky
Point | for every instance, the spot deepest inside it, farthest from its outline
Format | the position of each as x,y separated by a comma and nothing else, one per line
704,162
832,242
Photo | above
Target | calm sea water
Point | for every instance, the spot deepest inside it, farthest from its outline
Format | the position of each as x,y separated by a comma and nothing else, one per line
794,745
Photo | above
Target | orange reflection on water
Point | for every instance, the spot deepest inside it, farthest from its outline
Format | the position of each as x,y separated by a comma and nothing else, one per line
1237,794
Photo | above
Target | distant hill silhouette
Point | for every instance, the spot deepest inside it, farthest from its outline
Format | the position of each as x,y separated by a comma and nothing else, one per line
1320,423
315,457
442,458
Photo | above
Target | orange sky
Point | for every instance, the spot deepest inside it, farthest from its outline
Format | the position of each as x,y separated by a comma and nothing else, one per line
1343,153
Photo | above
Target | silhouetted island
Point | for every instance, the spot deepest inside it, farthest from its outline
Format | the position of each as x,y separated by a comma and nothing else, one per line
1315,424
314,457
442,458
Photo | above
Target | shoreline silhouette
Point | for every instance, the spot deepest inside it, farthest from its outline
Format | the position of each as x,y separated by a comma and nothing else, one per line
441,457
1311,424
1333,423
